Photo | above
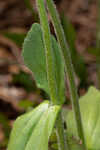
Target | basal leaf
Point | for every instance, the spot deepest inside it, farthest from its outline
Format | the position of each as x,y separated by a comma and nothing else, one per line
23,127
40,136
34,58
90,111
32,130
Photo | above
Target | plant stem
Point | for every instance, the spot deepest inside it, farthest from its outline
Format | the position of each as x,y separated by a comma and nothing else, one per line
50,68
68,66
48,51
61,138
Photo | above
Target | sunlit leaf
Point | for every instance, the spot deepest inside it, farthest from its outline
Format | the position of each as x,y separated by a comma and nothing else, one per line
32,130
40,136
24,126
90,111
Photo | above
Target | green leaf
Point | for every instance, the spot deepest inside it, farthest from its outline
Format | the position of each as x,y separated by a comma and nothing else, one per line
23,127
90,111
59,71
34,58
40,136
32,130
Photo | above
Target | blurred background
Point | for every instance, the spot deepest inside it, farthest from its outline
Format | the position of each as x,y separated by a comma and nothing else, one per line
18,91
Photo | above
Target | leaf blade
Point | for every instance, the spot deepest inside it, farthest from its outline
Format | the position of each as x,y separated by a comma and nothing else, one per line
23,127
35,60
42,132
90,111
34,56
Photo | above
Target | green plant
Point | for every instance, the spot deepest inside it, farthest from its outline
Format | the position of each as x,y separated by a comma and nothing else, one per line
90,111
47,58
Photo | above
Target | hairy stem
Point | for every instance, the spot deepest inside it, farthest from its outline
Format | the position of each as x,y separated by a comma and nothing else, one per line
50,68
48,51
68,66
